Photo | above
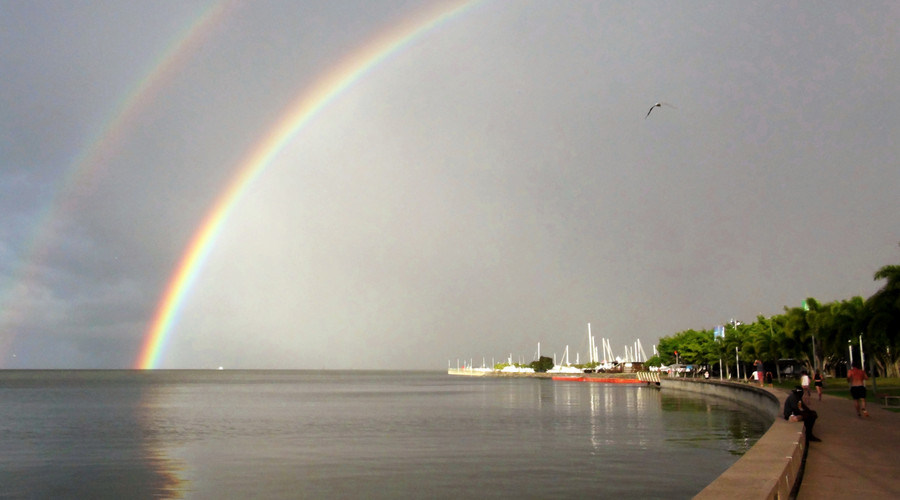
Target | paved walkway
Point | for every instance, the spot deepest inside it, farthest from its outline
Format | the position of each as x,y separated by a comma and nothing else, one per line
858,457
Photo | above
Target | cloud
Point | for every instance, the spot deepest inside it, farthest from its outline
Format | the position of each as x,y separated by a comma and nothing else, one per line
492,185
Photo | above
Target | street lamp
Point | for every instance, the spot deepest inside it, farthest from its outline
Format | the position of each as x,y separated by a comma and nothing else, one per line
718,333
737,359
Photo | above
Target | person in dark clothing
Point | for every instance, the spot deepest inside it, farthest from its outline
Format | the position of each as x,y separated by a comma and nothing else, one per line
817,380
795,411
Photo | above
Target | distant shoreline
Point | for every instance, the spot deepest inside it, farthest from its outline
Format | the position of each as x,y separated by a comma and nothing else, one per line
478,373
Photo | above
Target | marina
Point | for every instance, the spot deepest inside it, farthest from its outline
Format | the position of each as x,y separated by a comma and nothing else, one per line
601,360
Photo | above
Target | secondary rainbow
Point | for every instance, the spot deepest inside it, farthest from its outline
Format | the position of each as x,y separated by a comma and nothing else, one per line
91,159
299,114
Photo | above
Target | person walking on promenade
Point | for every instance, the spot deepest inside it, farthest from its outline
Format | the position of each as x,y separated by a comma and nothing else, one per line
817,380
796,411
857,378
759,372
804,382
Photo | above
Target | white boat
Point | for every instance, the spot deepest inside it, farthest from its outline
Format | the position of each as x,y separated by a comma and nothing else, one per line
516,369
565,368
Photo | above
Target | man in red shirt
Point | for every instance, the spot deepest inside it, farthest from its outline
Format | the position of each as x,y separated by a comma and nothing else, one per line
857,378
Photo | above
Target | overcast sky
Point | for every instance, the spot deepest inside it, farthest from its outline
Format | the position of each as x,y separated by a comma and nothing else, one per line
491,185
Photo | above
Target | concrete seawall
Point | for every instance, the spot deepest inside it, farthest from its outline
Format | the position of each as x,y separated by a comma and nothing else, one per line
773,466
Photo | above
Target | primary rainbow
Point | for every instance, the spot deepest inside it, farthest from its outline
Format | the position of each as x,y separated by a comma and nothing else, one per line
299,113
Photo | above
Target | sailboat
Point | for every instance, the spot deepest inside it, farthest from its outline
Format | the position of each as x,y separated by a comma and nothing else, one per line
567,368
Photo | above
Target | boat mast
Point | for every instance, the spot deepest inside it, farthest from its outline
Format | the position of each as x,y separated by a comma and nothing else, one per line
590,345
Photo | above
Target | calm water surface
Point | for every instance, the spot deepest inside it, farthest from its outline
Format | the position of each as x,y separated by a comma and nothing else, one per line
300,434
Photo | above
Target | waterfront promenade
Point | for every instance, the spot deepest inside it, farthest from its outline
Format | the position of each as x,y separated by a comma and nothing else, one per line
858,457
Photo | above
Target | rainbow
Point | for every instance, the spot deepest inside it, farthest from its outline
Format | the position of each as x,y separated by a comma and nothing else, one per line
173,58
90,161
299,114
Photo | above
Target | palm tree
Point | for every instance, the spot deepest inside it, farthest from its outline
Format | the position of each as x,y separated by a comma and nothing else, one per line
851,317
884,321
737,340
797,334
819,324
767,343
822,322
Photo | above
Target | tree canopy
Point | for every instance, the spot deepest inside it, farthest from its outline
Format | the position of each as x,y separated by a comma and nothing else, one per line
823,335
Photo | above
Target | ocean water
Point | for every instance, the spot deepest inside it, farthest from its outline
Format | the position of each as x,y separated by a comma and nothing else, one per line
313,434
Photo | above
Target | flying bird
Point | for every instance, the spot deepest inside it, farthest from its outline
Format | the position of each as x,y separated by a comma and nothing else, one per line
659,105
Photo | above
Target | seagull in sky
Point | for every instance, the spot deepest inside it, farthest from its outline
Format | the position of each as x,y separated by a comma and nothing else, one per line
658,105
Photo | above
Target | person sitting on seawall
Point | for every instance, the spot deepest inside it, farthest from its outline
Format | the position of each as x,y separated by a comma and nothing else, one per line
857,378
796,411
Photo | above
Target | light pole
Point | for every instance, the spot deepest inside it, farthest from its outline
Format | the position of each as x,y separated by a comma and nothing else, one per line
737,359
772,333
815,359
805,314
862,356
850,350
719,333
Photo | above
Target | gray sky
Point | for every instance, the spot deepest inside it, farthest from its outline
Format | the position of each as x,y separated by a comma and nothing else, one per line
491,185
